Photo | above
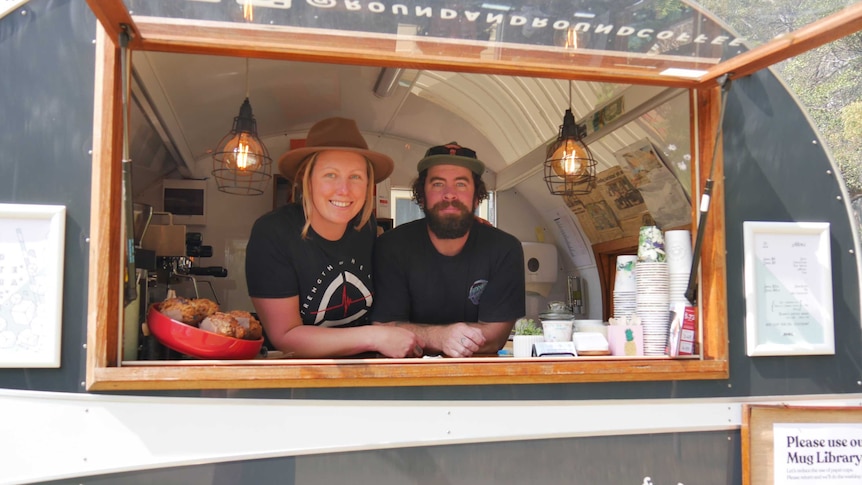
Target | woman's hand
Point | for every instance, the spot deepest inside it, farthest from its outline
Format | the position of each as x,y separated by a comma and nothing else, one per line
396,342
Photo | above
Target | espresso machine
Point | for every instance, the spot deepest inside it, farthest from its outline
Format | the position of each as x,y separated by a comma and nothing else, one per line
183,274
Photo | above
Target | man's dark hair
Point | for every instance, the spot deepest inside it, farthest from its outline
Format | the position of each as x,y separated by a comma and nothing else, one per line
481,193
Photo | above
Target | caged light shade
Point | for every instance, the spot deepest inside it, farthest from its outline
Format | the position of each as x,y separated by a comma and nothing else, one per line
241,162
570,168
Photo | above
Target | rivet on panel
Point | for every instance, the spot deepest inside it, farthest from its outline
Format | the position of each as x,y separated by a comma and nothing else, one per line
829,172
813,142
851,251
838,197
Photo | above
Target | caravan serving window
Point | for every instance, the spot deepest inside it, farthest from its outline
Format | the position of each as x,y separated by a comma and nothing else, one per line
105,369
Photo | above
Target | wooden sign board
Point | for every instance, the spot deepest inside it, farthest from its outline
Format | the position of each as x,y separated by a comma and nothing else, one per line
801,445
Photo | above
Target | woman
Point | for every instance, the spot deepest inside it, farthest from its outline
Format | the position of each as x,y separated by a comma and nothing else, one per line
308,264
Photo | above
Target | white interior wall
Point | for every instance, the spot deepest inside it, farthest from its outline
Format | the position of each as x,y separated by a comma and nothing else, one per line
530,201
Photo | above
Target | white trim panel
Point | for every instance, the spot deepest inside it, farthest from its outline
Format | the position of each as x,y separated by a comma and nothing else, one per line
88,434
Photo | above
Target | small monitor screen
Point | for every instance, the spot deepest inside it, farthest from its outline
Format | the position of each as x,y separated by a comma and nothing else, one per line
184,202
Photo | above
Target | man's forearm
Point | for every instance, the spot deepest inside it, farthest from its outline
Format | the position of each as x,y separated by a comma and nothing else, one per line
496,334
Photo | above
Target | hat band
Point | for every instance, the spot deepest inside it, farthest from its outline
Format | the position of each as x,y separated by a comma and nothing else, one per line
451,150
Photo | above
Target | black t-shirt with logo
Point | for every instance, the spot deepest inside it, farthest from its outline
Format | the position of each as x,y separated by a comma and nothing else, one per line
414,282
331,278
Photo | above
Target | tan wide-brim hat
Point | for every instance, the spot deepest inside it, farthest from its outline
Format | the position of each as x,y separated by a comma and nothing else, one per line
335,134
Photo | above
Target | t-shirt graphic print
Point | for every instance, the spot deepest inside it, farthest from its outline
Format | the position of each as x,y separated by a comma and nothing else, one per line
339,296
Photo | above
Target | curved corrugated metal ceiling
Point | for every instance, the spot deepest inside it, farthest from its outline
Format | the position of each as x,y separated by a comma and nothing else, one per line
194,99
517,114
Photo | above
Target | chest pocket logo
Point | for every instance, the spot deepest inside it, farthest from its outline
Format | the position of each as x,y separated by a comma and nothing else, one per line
476,290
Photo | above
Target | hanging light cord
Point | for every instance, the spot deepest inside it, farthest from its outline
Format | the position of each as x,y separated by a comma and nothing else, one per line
691,290
247,90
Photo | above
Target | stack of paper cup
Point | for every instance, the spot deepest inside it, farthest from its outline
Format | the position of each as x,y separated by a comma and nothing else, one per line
653,304
678,250
653,290
625,287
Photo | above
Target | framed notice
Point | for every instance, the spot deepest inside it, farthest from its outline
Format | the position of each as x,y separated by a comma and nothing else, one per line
788,289
31,284
800,445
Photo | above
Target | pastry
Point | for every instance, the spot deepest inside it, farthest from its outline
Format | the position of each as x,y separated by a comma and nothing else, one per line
247,321
204,308
180,309
223,324
188,311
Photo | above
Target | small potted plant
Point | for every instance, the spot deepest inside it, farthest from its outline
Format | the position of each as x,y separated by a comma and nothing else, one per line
527,333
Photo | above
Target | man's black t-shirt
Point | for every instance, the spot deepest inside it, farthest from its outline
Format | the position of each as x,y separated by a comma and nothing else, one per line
414,282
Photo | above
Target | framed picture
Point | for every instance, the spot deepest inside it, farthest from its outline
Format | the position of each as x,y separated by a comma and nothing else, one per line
788,289
32,239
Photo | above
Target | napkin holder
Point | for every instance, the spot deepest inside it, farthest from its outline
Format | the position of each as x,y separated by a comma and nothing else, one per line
554,349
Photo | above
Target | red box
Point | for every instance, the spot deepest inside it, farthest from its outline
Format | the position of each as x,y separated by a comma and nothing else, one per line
683,330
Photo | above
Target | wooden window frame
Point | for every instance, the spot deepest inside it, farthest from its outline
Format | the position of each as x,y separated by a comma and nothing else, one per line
105,371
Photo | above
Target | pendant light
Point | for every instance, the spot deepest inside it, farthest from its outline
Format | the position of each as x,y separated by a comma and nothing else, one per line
570,168
241,162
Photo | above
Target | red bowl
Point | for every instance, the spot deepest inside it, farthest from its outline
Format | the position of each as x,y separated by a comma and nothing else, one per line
196,342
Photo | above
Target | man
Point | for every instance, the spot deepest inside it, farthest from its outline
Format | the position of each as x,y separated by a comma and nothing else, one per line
455,282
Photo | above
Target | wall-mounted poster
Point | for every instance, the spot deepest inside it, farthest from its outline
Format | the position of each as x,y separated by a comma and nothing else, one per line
615,209
31,284
659,188
788,289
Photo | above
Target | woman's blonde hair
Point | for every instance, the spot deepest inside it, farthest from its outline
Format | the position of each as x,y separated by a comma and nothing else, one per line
302,189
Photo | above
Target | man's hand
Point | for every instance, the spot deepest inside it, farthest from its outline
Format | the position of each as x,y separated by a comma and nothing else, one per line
461,340
458,339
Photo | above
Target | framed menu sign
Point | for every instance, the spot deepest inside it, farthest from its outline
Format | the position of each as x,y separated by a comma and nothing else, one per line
788,289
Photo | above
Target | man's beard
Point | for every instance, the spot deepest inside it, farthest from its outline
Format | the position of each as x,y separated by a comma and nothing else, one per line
449,226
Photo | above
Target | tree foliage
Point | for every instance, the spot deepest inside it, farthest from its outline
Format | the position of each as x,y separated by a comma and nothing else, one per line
825,80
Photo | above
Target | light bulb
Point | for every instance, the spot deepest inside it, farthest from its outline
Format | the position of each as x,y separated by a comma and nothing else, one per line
570,160
243,154
248,11
571,39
